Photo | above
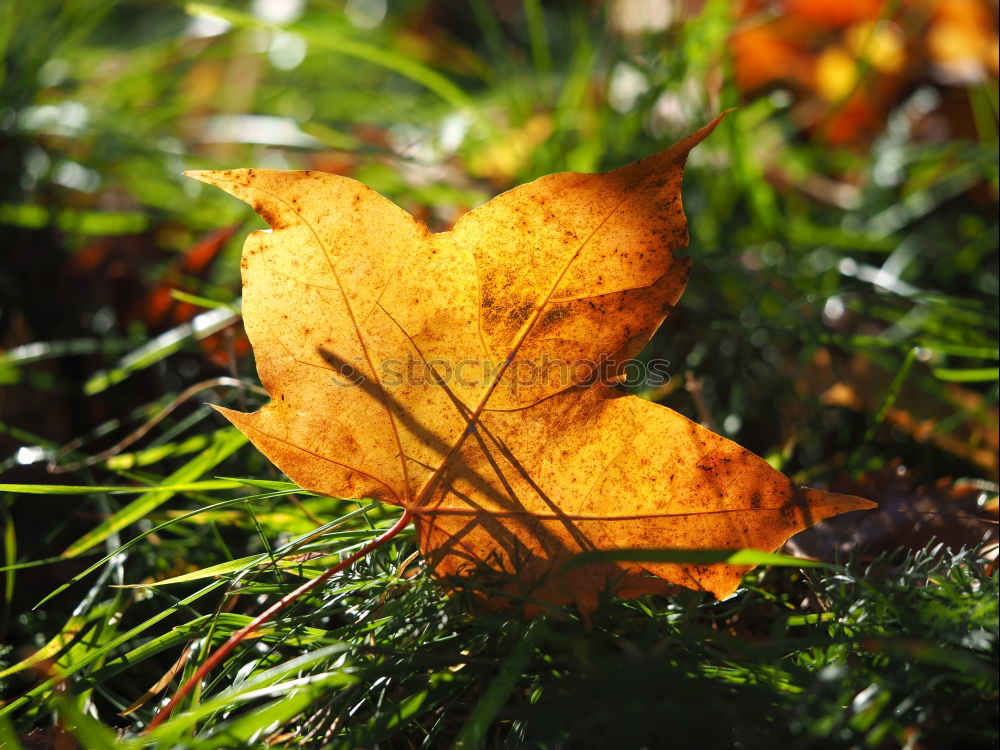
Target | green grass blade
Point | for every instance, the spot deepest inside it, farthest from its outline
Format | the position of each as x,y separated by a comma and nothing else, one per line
249,729
211,304
132,542
83,489
39,351
235,566
329,40
8,736
31,216
474,730
157,453
268,484
538,37
9,556
263,684
224,443
960,350
70,630
89,732
694,556
973,375
104,651
161,347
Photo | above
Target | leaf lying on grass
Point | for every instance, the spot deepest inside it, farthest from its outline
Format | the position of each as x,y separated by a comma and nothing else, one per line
468,376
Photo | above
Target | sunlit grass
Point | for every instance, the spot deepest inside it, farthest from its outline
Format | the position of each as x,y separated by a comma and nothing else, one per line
841,315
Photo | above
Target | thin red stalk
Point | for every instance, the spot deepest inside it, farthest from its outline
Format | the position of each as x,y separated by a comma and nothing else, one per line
223,651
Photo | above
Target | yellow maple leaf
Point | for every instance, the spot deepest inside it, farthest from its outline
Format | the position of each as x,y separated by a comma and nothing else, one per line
468,376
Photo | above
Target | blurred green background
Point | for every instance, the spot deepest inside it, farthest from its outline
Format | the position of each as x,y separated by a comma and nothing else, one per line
841,318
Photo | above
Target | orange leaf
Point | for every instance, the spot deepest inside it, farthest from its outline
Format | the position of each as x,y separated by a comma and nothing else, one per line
840,13
468,377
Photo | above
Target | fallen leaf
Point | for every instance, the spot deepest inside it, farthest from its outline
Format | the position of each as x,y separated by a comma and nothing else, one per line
909,516
836,14
468,376
848,65
962,40
161,310
918,412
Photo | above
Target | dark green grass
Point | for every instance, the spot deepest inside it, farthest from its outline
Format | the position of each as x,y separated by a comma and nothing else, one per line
849,656
899,652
